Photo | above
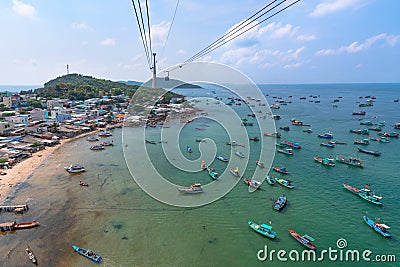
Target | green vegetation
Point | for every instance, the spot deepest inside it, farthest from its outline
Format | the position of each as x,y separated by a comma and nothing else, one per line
79,87
3,160
36,144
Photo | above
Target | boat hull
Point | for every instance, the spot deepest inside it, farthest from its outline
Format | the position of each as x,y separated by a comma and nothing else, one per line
88,254
371,224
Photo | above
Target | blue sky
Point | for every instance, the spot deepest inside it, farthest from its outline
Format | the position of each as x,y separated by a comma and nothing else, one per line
327,41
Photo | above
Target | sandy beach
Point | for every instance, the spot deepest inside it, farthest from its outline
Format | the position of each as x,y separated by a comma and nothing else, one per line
20,172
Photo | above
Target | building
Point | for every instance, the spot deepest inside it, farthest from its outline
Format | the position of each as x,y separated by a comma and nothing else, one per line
18,119
6,127
53,103
39,115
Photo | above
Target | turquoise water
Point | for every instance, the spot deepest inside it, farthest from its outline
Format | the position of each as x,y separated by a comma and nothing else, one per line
116,219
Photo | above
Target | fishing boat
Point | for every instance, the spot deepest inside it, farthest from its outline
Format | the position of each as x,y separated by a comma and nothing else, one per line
359,113
83,183
88,254
240,154
107,143
378,227
328,135
235,172
291,144
221,158
362,141
286,151
350,161
365,193
263,229
31,256
309,130
276,117
325,161
213,174
285,128
285,183
368,123
276,134
337,142
193,189
384,139
270,180
281,144
280,170
251,182
189,149
359,131
233,143
260,164
255,138
150,142
376,129
392,134
105,134
75,168
371,152
297,122
203,165
331,145
92,139
305,240
247,123
280,203
97,147
25,225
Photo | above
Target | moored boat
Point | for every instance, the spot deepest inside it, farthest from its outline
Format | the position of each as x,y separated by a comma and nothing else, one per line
88,254
370,152
280,202
378,227
75,168
213,174
286,151
365,193
276,134
107,143
359,113
291,144
392,134
359,131
331,145
235,171
325,161
270,180
309,130
251,182
328,135
285,128
26,225
221,158
92,139
193,189
362,141
255,138
240,154
282,170
97,147
263,229
105,134
189,149
260,164
350,161
305,240
285,183
31,256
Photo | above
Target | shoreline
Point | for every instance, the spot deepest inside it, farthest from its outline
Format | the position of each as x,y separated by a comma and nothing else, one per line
23,170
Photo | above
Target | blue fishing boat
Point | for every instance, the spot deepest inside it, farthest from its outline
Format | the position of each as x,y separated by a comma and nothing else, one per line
285,183
282,170
328,144
88,254
263,229
270,180
325,161
286,151
189,149
379,227
221,158
213,174
328,135
371,152
280,203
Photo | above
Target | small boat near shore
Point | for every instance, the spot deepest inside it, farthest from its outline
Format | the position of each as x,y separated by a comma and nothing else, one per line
279,203
291,144
213,174
88,254
392,134
286,151
150,142
276,134
285,128
193,189
26,225
330,145
107,143
305,240
221,158
105,134
75,168
92,138
260,164
370,152
359,113
325,161
83,183
285,183
97,147
365,193
263,229
31,256
251,182
235,172
240,154
378,227
350,161
282,170
270,180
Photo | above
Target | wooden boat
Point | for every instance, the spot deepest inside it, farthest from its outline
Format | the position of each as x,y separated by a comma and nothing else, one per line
150,142
92,139
247,123
280,203
325,161
260,164
107,143
371,152
362,141
97,147
270,180
276,134
359,131
105,134
276,117
350,161
309,130
240,154
193,189
88,254
285,183
384,139
331,145
263,229
235,172
203,165
359,113
365,193
75,168
83,183
255,138
26,225
285,128
386,134
297,122
31,256
281,144
251,182
377,129
326,135
286,151
189,149
221,158
305,240
213,174
378,227
291,144
280,170
368,123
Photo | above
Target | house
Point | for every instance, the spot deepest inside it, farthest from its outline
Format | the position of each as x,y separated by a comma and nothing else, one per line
6,127
53,103
18,119
39,115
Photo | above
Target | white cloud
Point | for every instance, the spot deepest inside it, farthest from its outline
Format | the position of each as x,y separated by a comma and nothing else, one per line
181,52
356,47
305,37
81,26
293,66
283,31
108,42
23,9
332,6
159,33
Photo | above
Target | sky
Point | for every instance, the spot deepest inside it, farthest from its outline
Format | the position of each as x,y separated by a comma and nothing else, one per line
326,41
